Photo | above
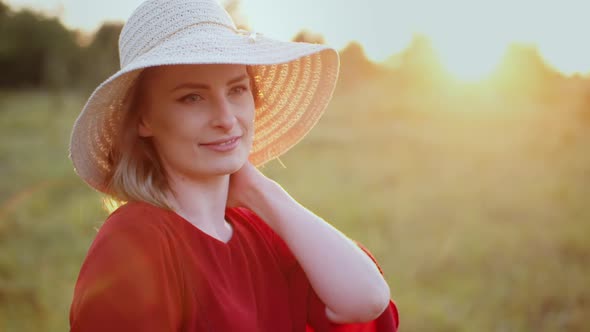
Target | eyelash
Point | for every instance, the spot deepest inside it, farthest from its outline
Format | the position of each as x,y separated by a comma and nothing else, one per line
241,90
187,97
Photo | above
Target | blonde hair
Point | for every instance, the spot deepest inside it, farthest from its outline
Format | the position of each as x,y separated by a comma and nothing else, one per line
136,172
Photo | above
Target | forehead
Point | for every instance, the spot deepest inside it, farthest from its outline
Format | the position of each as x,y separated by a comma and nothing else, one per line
211,74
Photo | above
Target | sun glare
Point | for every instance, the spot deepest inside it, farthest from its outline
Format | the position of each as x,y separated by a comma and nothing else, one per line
471,37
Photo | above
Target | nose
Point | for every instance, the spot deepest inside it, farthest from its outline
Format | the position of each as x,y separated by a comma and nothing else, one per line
223,116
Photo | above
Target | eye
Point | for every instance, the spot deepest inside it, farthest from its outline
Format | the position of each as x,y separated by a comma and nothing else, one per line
239,90
192,98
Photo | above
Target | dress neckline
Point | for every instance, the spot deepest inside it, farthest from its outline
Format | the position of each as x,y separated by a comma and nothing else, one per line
208,236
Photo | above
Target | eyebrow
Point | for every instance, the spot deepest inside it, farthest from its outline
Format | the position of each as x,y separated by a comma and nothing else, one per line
192,85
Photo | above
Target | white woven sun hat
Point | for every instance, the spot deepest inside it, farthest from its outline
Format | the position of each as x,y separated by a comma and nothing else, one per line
295,80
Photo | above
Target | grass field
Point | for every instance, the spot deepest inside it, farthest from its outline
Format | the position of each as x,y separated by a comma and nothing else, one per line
477,209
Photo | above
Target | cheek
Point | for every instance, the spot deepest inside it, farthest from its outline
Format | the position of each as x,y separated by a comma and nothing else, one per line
177,123
251,112
161,117
248,121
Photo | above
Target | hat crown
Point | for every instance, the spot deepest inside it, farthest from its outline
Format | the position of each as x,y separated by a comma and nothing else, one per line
155,20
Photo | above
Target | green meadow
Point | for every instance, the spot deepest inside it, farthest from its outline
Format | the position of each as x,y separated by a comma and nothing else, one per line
477,208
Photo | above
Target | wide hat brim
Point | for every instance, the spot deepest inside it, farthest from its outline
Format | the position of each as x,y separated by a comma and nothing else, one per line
296,82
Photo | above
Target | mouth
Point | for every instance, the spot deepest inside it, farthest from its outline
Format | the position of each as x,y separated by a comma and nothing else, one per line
223,141
223,145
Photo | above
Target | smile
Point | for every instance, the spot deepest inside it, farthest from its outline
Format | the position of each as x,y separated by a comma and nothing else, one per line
223,145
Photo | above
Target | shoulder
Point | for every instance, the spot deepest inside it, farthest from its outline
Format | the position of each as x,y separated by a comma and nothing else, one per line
129,243
133,212
251,220
137,223
263,231
129,274
134,216
243,213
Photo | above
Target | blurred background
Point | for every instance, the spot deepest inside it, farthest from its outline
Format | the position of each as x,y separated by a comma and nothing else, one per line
456,148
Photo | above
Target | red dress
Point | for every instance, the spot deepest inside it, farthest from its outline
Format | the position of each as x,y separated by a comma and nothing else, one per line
149,269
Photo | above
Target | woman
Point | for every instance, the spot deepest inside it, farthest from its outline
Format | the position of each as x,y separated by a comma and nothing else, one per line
205,241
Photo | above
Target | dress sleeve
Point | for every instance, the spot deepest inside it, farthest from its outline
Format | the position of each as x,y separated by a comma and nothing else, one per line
318,321
128,281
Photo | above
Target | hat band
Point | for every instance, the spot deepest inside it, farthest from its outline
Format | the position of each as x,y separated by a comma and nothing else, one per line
252,36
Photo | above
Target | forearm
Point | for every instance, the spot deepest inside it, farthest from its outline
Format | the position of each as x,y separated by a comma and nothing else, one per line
342,275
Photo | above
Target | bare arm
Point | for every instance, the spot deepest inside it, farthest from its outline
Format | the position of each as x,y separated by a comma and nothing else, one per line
342,275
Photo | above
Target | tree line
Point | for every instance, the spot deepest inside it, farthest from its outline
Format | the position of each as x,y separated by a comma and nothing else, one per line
38,52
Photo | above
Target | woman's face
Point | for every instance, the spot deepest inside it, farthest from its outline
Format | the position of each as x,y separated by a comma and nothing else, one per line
200,117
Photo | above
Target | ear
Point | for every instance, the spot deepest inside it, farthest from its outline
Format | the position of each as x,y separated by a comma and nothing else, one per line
144,127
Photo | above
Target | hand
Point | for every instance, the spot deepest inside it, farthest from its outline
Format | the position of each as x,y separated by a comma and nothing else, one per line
244,185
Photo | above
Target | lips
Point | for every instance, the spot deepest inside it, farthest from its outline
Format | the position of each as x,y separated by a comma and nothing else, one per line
224,141
223,145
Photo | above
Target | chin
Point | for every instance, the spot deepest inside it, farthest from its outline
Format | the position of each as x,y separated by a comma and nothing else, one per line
228,165
212,164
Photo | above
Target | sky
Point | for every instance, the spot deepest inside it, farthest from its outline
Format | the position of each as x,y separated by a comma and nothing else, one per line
470,36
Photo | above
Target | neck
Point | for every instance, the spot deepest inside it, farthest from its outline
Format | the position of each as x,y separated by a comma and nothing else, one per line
200,201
